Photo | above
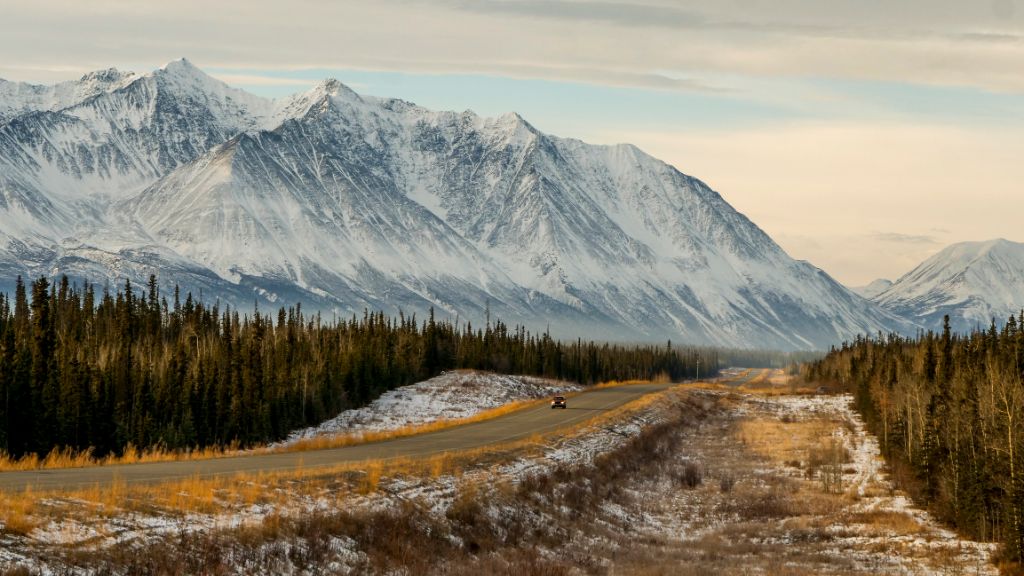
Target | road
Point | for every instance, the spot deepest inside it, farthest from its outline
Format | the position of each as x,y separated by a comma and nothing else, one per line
746,376
513,426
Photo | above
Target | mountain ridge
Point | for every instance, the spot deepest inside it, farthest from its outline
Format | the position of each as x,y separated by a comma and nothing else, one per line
349,202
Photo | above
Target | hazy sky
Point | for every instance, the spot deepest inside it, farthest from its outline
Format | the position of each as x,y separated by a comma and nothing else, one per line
862,135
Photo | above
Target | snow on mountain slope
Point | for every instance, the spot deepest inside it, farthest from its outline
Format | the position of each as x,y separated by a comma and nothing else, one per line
17,98
73,147
376,203
873,289
306,206
972,282
68,151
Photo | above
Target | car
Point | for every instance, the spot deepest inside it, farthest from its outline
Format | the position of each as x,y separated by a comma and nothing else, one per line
558,402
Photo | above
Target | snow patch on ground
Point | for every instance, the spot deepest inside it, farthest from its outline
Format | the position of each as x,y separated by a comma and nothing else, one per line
874,492
451,396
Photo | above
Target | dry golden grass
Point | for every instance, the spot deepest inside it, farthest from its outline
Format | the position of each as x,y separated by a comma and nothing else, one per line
783,442
440,464
615,383
371,478
814,520
885,522
69,458
18,513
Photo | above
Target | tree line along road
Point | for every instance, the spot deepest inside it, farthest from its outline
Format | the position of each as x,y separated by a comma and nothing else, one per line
510,427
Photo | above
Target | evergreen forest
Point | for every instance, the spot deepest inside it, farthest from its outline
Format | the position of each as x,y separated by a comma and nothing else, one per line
105,371
948,411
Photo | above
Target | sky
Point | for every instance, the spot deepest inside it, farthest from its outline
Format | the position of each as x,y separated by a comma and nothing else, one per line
863,136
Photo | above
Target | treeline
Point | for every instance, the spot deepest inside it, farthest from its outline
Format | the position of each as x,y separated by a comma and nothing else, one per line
80,369
949,413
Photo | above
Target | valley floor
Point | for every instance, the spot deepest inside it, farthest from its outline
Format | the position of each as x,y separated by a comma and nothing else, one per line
701,479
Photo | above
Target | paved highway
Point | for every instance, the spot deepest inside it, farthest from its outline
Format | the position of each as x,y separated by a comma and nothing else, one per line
746,377
513,426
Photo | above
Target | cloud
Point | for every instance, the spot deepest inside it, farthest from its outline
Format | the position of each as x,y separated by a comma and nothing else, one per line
618,13
800,19
898,238
616,43
598,76
1003,9
990,37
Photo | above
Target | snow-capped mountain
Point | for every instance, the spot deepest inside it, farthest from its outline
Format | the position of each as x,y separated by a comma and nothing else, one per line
68,149
349,202
873,289
972,282
17,98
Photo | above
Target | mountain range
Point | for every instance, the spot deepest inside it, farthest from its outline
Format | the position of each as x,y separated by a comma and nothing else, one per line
345,203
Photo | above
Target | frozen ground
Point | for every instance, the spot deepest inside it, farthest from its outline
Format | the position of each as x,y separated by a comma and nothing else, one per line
451,396
758,507
870,525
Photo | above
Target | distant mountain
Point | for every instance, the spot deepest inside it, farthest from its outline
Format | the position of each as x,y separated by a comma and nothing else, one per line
873,289
972,282
347,202
17,98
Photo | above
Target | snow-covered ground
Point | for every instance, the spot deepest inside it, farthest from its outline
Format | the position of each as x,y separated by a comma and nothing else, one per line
453,395
872,494
875,492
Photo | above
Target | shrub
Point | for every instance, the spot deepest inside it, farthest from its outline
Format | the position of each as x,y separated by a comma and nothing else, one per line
692,475
726,482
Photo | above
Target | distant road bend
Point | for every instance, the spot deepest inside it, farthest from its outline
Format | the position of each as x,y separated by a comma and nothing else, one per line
513,426
746,377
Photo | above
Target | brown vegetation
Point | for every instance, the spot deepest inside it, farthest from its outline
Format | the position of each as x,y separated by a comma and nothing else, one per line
225,493
699,493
